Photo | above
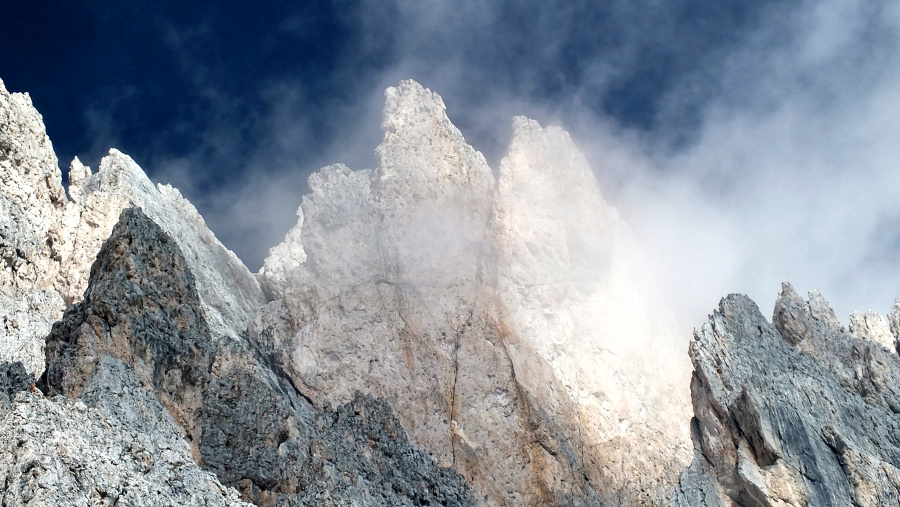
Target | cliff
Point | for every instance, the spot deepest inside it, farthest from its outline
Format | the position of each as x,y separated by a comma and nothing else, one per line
431,332
794,412
500,318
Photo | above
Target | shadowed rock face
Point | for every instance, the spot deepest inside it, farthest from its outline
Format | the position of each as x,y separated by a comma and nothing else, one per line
13,378
243,421
388,471
140,306
797,413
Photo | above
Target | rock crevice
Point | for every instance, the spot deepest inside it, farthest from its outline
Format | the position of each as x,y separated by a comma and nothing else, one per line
801,412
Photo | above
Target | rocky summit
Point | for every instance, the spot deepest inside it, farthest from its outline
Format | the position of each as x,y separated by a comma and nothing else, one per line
431,332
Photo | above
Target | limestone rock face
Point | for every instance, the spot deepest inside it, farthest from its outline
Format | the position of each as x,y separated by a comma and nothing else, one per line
873,326
570,296
229,292
142,318
387,283
115,445
142,308
797,413
13,378
484,312
31,204
32,196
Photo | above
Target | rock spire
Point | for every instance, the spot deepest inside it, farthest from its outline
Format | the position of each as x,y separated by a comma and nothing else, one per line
500,318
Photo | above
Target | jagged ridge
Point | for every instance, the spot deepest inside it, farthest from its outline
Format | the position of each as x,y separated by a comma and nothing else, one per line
500,319
243,421
796,413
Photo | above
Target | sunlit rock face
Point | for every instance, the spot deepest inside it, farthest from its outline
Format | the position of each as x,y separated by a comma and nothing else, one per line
388,290
569,292
796,412
487,337
49,240
31,203
502,319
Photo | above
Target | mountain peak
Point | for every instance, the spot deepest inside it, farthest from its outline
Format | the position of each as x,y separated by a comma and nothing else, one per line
484,337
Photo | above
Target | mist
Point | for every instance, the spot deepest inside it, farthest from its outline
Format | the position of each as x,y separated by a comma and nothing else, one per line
744,146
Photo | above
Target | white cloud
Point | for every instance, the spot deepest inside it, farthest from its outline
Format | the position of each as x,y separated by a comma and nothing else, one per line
791,174
773,156
794,172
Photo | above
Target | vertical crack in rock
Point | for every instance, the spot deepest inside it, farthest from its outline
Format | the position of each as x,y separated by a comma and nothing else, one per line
453,400
537,251
242,420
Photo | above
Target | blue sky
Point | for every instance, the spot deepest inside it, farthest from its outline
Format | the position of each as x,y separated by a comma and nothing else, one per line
746,142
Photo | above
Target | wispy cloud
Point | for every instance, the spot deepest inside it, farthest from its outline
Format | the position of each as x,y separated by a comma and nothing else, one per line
746,145
793,170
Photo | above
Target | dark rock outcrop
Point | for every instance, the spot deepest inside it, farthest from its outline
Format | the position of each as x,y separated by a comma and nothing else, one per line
13,378
796,413
385,469
141,307
243,421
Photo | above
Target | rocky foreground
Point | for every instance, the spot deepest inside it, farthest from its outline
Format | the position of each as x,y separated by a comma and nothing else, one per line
431,332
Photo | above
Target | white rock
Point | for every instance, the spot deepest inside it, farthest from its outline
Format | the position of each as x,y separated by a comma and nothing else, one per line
871,325
569,288
504,326
31,201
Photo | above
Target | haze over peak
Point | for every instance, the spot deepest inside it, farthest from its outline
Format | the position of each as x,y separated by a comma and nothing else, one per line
489,336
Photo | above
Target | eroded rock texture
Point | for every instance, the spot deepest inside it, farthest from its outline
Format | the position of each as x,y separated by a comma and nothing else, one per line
388,472
501,319
48,241
31,204
229,293
116,445
142,317
801,412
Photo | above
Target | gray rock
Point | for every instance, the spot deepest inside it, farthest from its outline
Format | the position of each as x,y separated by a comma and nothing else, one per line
241,418
142,307
115,446
799,413
230,294
383,468
13,378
